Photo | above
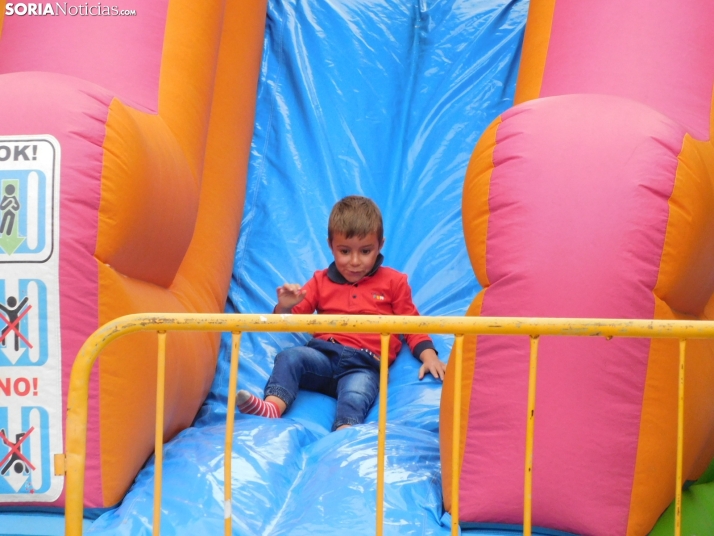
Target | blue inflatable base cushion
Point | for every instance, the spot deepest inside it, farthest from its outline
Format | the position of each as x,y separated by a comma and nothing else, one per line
34,523
288,479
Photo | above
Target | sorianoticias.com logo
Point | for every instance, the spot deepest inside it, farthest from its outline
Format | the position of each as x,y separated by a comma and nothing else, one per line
64,8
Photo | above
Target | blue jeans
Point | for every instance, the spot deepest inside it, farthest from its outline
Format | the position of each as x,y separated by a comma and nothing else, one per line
347,374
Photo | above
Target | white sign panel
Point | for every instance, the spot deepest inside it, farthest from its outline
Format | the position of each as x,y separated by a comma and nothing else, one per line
30,351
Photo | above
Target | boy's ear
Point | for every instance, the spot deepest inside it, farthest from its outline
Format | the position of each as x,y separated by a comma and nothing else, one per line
381,245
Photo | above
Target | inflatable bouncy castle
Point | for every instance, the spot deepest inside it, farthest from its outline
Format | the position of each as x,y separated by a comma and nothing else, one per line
593,197
177,156
115,133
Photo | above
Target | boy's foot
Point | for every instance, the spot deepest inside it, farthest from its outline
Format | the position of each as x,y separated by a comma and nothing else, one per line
252,405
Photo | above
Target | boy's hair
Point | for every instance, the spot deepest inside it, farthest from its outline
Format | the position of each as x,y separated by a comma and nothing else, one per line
355,215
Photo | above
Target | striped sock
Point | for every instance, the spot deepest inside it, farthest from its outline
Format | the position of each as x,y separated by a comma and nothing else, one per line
252,405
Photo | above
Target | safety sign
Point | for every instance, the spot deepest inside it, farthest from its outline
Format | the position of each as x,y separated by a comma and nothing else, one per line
30,345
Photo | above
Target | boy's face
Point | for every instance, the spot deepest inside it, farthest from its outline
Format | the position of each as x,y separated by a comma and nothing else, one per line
355,256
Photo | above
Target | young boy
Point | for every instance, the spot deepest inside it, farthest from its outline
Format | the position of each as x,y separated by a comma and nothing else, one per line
343,365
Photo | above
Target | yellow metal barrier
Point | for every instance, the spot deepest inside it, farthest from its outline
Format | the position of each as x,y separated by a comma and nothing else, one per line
530,424
73,462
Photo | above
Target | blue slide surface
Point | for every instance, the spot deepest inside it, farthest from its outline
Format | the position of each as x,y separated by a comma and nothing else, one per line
383,98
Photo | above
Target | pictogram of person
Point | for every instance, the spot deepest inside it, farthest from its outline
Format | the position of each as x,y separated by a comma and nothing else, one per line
15,462
9,206
12,310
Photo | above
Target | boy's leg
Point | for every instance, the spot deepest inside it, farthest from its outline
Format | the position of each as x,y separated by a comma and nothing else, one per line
294,368
357,389
272,407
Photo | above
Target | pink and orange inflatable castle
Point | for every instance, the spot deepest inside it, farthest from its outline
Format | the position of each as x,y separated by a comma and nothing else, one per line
135,131
123,151
593,197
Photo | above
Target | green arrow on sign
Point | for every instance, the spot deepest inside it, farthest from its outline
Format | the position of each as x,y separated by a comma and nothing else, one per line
10,216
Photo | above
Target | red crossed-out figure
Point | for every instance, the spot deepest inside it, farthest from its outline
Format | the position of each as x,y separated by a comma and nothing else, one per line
15,454
14,316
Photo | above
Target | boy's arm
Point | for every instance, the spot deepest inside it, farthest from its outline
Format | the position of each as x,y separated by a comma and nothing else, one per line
289,295
431,363
422,346
296,299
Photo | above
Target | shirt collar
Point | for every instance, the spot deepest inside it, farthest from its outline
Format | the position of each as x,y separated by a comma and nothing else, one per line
336,277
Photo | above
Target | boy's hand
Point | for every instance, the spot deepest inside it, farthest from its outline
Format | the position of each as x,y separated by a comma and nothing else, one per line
289,295
431,364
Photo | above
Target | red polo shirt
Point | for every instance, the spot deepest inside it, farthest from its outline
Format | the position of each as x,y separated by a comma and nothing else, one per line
383,291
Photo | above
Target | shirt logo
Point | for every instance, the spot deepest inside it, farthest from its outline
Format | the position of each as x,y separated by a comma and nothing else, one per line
378,297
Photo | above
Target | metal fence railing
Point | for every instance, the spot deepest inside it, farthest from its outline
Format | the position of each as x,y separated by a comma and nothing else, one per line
72,461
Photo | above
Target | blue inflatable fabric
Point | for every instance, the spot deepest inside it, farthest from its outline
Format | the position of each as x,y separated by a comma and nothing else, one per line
383,98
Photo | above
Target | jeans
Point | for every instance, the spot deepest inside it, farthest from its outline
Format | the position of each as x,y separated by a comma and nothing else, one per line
347,374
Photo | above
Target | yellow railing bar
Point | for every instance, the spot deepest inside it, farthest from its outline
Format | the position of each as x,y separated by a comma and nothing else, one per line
456,437
448,325
77,399
528,486
159,433
680,440
230,422
382,434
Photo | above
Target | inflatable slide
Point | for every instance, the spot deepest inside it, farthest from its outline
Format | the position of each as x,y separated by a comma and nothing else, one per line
128,174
